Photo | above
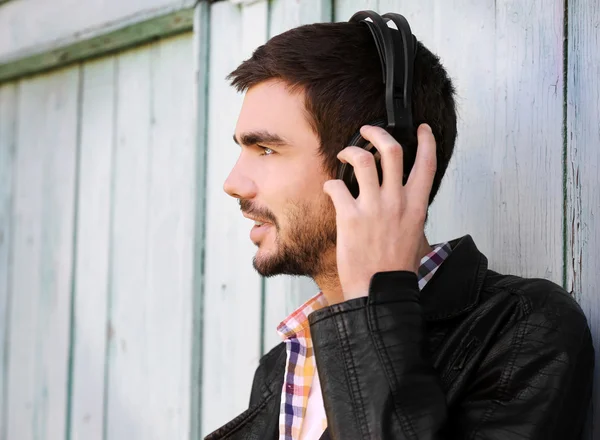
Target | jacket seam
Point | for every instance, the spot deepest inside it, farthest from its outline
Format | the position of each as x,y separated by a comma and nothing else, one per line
517,341
373,322
350,373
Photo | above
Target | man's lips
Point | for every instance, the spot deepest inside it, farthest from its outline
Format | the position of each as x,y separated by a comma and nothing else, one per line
256,220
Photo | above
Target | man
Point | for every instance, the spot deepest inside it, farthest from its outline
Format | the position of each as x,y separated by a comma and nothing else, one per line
406,340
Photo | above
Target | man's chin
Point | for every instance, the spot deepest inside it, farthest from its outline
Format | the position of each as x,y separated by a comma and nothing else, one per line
266,263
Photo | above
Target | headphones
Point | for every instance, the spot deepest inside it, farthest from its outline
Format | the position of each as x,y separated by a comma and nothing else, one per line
397,50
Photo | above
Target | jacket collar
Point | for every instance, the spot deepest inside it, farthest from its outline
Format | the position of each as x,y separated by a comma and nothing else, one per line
455,287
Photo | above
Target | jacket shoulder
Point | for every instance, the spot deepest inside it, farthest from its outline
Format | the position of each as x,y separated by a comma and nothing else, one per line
542,299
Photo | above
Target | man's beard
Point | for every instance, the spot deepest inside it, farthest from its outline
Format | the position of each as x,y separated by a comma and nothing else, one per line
301,251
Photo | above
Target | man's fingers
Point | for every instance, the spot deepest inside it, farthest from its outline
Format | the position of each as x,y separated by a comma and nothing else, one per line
338,192
422,174
392,156
363,163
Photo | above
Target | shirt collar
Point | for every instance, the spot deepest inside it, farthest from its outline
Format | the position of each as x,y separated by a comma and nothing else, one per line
297,322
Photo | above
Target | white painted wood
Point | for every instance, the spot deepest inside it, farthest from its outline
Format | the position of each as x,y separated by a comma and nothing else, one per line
170,232
44,199
33,26
8,115
232,292
148,388
93,249
283,294
127,409
510,107
344,9
583,177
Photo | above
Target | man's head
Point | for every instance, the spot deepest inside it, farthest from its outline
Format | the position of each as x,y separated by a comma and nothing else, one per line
308,91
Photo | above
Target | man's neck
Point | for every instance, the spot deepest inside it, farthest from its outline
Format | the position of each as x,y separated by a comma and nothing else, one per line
329,282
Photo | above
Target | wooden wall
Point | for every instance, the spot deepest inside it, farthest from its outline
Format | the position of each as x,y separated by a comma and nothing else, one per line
33,26
97,201
129,307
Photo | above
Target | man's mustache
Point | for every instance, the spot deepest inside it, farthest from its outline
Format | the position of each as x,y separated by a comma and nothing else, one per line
248,208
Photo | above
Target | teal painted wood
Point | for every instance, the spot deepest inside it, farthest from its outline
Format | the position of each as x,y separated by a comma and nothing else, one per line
129,33
283,294
150,302
232,297
202,70
8,118
42,240
19,40
92,256
582,165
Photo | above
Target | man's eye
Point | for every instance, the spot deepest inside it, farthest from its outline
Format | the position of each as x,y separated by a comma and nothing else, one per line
266,151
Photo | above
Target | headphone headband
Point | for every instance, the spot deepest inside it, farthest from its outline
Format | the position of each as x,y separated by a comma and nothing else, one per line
397,51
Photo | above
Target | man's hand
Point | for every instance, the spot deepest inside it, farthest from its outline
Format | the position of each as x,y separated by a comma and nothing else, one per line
381,230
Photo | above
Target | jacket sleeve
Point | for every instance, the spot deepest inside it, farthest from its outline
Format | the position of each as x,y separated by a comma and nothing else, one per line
378,382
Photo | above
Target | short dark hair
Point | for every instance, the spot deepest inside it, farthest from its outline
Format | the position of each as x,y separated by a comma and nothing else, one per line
337,66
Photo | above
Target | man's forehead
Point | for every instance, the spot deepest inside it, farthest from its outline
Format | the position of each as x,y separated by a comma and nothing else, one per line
271,111
272,94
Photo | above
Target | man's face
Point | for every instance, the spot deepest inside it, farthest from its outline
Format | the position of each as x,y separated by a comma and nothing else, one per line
278,180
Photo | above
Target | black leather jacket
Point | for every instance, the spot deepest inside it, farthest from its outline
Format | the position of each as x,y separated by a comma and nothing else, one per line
475,355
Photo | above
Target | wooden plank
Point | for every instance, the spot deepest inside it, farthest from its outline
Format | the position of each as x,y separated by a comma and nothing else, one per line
124,34
582,165
344,9
232,298
20,38
44,199
8,115
93,247
167,334
152,256
128,392
201,50
283,294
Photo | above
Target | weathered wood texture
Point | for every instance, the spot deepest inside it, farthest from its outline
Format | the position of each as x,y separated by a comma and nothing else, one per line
232,298
37,26
8,119
151,255
92,260
42,256
120,36
583,175
97,217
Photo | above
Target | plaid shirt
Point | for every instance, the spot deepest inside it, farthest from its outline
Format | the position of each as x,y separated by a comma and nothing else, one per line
300,365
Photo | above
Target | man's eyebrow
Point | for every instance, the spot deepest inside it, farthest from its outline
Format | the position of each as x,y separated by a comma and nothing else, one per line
260,137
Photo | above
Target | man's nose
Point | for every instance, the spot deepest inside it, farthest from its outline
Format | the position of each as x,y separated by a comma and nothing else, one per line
239,185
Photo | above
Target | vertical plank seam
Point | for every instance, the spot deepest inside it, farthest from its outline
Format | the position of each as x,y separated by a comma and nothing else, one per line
202,28
565,142
109,280
328,12
73,281
7,324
